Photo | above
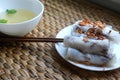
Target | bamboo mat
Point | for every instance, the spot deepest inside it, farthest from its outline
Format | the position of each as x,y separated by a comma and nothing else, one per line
40,61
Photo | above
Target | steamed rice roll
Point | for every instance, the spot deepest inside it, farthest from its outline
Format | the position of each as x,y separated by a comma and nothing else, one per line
89,59
91,46
92,41
91,37
111,34
96,28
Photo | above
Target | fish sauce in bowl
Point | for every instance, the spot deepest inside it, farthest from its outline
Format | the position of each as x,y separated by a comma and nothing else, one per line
16,15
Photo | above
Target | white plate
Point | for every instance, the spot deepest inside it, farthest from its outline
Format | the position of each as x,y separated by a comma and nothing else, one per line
61,49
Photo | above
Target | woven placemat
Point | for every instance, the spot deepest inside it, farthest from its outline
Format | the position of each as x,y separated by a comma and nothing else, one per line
40,61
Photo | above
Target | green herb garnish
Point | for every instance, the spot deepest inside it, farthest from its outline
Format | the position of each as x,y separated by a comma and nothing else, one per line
11,11
3,21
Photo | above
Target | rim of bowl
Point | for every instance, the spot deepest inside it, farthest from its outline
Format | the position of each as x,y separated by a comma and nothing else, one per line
29,19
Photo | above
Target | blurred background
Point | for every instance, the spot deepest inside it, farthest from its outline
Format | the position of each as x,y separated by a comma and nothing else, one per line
111,4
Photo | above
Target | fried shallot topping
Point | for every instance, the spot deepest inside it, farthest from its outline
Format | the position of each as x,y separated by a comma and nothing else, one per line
78,30
95,24
85,22
99,24
94,32
85,39
101,38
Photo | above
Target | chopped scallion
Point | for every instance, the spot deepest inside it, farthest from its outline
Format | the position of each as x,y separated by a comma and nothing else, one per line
3,21
11,11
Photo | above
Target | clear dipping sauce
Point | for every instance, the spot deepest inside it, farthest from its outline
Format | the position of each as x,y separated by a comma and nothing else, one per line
20,15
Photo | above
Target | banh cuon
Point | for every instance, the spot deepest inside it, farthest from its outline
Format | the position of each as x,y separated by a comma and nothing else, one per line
16,15
93,43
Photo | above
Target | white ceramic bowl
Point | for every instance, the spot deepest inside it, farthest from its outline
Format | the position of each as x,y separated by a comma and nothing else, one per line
22,28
